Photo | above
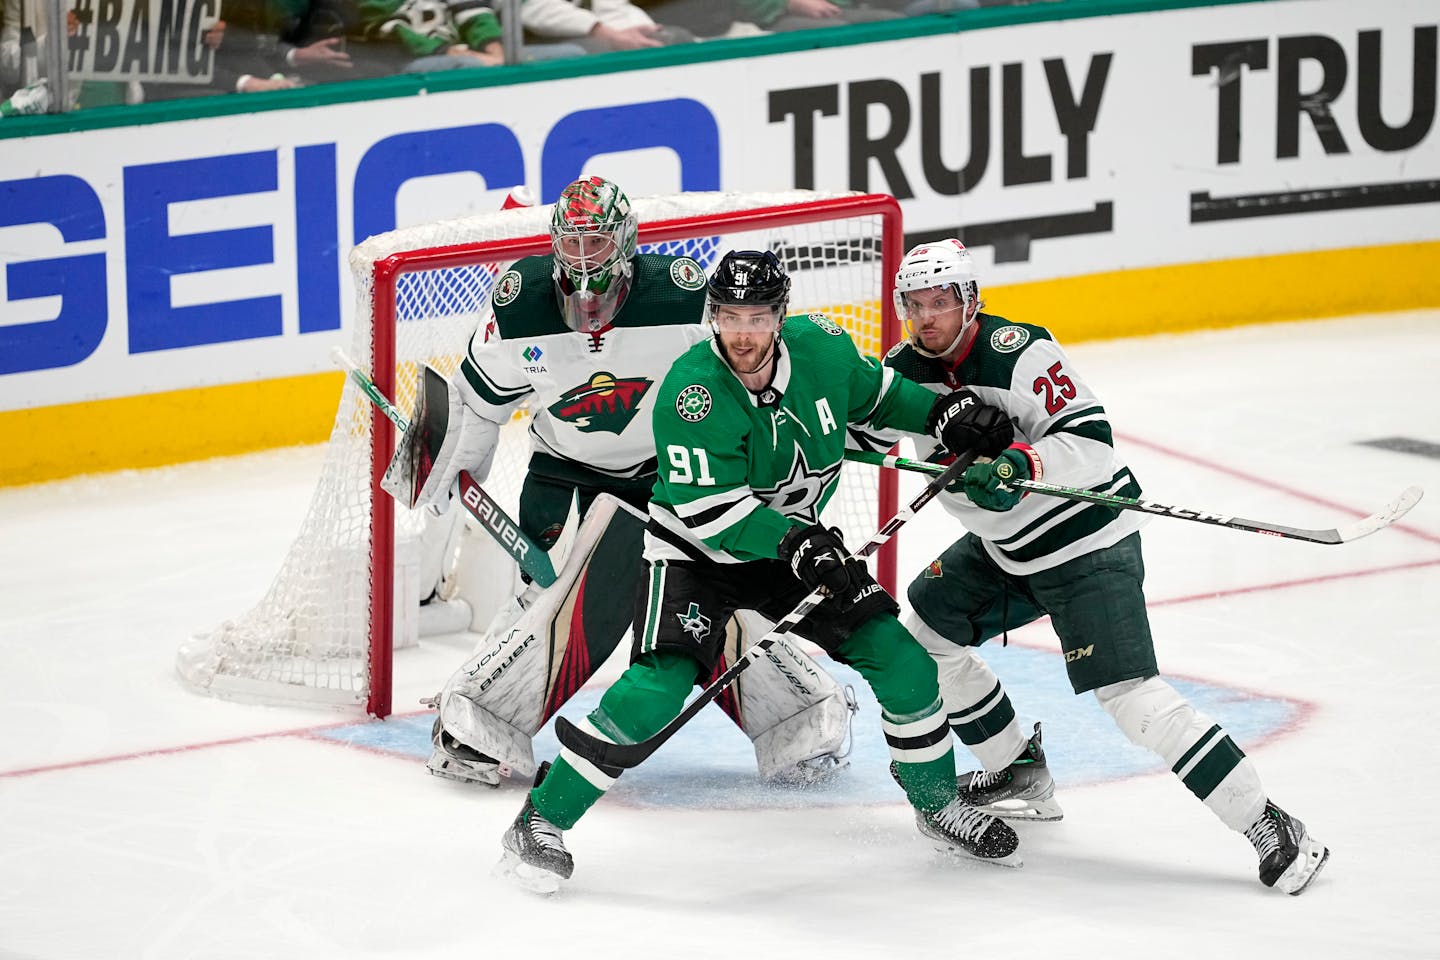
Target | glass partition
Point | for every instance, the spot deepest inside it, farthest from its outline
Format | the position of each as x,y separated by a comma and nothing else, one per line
146,51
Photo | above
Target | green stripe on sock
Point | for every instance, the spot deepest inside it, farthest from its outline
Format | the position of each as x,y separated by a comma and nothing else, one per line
1216,766
1194,749
988,724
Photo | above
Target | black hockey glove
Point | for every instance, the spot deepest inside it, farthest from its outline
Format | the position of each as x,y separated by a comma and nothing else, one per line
817,558
964,422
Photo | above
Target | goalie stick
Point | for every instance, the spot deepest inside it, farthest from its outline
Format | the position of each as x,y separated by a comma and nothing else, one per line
1387,515
531,557
605,753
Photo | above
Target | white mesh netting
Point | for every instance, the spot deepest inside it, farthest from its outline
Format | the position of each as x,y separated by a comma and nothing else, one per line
309,639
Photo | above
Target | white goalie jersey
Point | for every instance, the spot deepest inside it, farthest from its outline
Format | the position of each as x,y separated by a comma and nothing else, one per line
589,393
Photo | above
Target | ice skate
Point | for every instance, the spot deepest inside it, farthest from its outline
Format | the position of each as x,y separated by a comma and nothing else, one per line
1289,857
959,828
451,759
1021,791
535,857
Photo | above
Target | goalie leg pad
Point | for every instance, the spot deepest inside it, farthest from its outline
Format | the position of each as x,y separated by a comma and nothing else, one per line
502,695
793,711
978,707
1154,715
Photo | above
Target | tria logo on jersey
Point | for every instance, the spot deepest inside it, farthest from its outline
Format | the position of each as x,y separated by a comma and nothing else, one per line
604,403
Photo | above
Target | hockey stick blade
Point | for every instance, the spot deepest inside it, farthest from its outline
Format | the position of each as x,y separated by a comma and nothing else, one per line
606,753
1381,519
1393,511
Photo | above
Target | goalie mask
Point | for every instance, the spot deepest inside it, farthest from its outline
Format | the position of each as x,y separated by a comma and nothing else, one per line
936,293
592,233
745,302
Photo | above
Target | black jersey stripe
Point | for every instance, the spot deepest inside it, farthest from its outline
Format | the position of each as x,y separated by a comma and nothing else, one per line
938,734
705,509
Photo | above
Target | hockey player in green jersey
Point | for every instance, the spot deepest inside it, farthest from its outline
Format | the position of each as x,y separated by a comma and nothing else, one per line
750,430
584,334
1027,556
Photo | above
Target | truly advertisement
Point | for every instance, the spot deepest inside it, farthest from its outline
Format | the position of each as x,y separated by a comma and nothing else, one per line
213,251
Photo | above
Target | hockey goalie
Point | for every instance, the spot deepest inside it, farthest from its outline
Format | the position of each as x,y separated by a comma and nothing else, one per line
579,335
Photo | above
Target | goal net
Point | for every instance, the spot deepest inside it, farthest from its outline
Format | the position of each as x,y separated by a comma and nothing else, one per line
346,595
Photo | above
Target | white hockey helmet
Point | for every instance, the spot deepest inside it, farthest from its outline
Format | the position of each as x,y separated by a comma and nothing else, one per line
943,263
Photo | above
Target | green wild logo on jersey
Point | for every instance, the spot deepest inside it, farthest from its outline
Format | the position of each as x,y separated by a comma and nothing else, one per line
826,324
1008,339
693,403
798,495
687,274
693,622
604,403
508,288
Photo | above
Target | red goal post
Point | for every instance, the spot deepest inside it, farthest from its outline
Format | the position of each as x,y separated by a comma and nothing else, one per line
420,292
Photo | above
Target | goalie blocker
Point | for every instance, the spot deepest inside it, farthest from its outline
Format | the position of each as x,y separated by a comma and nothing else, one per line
795,714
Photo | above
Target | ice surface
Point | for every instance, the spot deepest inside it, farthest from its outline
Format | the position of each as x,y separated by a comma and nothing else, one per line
140,820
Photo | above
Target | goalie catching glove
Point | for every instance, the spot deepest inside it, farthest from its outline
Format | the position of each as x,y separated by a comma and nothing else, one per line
963,422
444,437
987,484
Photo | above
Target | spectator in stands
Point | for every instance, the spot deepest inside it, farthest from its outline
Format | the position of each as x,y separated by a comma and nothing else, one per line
706,19
448,35
9,47
598,26
445,36
248,58
784,15
325,40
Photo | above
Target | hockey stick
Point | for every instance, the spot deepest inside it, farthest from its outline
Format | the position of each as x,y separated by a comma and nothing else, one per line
1387,515
604,753
531,557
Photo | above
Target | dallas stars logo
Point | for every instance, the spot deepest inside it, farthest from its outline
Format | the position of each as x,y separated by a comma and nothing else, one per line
694,623
798,495
604,403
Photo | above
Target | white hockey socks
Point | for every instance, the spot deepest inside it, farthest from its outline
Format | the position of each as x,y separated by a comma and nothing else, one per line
1154,715
978,709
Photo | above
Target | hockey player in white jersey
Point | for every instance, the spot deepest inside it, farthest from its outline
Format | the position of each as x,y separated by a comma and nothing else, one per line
1028,556
584,334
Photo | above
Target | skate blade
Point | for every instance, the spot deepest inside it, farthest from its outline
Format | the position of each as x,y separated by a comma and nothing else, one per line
521,874
452,771
1313,857
1040,811
957,853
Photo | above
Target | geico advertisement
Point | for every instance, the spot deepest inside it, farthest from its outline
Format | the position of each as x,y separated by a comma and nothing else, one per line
213,251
